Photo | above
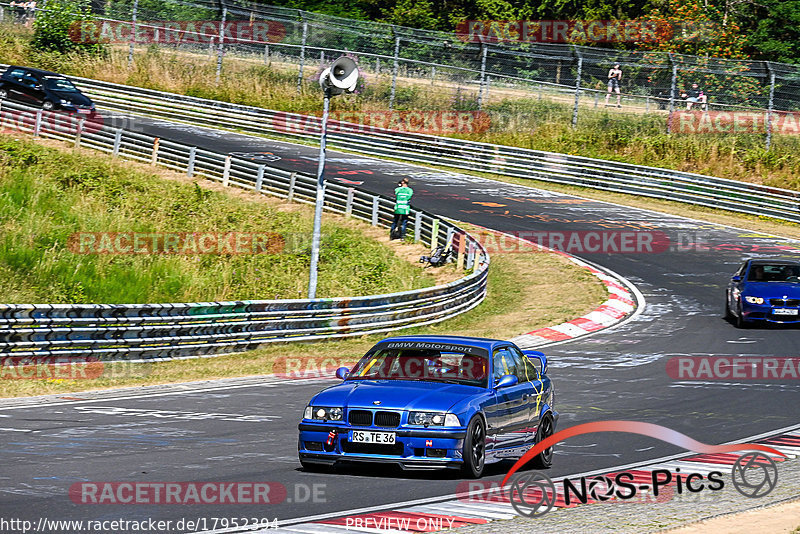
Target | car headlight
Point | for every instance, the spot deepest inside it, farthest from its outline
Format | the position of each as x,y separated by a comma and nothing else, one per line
322,413
65,102
432,418
754,300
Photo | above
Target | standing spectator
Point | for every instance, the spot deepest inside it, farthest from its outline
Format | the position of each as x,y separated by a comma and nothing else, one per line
31,12
18,9
614,77
402,208
693,96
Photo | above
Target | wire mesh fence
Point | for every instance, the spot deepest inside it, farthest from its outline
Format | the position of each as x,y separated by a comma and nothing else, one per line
575,76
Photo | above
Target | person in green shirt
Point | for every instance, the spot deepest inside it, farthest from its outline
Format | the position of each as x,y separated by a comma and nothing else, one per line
402,208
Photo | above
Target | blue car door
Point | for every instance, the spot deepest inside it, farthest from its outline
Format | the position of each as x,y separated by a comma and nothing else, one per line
512,409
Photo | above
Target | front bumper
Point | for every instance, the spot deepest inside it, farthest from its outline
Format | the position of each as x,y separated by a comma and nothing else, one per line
414,448
766,313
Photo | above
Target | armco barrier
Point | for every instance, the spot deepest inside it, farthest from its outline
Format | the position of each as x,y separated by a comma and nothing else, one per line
153,331
690,188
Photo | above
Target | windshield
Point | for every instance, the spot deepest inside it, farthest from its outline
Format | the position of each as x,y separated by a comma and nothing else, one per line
774,273
423,365
60,84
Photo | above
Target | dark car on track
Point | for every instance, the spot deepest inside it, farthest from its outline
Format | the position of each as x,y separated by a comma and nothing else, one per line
432,402
44,89
764,291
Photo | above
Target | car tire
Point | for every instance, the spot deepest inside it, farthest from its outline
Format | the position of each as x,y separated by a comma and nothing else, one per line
474,452
729,316
544,459
3,94
740,322
48,105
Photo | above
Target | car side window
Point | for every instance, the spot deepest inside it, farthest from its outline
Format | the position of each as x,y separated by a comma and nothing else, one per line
527,369
16,74
30,80
504,363
742,269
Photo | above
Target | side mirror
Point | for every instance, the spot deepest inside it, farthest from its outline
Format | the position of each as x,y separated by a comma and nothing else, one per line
539,356
342,372
506,381
736,278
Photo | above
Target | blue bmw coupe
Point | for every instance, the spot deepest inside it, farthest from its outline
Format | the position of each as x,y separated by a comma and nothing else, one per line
764,290
431,402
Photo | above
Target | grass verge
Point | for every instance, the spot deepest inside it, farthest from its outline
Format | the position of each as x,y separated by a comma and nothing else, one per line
48,196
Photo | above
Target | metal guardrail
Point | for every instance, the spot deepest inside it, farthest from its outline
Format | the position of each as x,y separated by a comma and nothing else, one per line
153,331
690,188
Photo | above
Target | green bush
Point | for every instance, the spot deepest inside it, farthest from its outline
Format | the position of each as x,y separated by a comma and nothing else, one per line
55,30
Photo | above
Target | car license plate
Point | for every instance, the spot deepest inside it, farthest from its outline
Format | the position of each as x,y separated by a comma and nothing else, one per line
784,311
364,436
84,111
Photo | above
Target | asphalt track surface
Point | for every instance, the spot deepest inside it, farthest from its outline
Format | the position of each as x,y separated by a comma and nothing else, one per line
615,374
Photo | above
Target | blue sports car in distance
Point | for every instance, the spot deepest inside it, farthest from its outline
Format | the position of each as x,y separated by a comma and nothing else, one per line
764,290
430,402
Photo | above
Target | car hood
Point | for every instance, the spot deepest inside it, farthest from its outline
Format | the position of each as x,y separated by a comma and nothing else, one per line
395,395
75,98
771,290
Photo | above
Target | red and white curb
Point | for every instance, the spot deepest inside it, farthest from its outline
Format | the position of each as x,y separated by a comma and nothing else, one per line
490,503
620,305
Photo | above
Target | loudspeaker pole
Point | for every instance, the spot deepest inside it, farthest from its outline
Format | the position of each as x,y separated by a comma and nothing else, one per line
340,77
315,239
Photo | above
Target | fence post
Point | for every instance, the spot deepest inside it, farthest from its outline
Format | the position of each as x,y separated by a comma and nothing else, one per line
190,164
226,171
302,55
37,126
117,141
394,70
348,206
484,49
771,104
292,182
221,44
266,55
154,154
471,256
260,178
418,227
435,234
577,88
134,11
79,133
462,241
375,201
673,86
